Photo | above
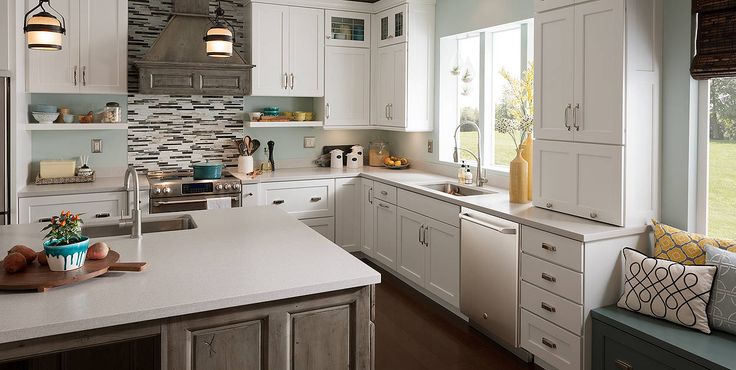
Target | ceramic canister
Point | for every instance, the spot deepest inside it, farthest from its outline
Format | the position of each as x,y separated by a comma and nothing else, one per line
245,164
358,151
336,156
354,160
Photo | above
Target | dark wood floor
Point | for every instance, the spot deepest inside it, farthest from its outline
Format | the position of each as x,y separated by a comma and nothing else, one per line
413,332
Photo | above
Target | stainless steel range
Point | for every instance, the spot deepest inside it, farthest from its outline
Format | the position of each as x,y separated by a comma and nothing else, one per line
178,191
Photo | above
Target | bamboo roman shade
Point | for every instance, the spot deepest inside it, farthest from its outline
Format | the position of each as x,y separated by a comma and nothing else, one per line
715,43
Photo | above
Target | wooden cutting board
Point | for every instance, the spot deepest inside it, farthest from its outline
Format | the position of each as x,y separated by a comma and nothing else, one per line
40,278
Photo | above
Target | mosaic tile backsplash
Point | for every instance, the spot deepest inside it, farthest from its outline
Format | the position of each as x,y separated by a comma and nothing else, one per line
172,132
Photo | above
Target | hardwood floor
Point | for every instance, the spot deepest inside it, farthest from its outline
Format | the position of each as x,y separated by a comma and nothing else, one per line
413,332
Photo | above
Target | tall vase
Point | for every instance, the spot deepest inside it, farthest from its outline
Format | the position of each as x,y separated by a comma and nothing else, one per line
519,178
528,145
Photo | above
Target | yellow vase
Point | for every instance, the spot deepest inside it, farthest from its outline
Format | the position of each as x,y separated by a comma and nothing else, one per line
519,178
528,145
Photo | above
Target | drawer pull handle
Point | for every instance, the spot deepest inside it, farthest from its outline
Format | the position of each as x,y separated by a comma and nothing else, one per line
384,193
549,205
549,343
278,202
249,195
548,308
549,247
549,277
45,219
621,364
316,199
383,206
102,215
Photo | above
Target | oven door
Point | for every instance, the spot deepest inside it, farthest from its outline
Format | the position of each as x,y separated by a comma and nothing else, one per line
189,203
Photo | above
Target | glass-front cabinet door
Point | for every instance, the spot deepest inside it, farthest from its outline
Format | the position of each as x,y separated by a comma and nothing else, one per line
348,29
391,25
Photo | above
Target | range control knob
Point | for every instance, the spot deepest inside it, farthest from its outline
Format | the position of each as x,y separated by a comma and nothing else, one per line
157,191
218,187
167,190
227,186
236,187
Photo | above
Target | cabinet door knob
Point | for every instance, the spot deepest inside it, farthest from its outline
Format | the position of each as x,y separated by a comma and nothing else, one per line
549,205
384,193
593,215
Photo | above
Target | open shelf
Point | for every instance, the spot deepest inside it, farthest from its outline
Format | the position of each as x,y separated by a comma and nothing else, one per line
75,126
256,124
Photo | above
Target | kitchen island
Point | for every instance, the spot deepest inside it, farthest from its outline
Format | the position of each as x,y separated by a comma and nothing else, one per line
252,287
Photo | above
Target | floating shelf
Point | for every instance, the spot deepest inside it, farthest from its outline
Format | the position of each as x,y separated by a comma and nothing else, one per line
255,124
75,126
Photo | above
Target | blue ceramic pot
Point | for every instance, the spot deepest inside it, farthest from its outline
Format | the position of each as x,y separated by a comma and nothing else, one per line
207,170
66,257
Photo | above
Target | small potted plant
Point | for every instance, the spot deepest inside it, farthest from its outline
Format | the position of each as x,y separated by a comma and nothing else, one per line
65,246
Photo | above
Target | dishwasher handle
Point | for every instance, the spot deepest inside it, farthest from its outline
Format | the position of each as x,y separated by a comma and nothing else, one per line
500,229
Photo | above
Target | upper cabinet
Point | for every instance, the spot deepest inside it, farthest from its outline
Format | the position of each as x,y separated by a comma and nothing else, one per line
94,57
286,44
348,29
347,87
6,32
392,25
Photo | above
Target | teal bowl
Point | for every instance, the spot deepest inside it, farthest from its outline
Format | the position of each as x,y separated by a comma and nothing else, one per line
66,257
45,108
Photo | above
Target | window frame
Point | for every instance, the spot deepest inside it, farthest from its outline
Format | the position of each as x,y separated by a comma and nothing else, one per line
703,172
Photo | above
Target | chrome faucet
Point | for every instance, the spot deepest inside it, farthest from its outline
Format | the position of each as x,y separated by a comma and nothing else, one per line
135,212
480,178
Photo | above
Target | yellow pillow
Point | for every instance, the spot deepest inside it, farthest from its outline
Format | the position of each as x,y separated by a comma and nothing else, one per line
681,246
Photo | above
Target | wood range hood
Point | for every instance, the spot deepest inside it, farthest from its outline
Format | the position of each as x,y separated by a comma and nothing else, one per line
177,63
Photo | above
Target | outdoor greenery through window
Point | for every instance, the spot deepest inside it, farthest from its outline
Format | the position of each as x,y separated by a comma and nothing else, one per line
722,159
486,78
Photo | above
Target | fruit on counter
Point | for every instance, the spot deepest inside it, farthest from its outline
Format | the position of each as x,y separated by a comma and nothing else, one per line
97,251
41,256
28,253
14,262
395,161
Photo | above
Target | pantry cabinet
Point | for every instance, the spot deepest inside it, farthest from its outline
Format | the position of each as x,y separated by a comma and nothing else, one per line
93,206
596,152
286,43
348,213
94,56
347,87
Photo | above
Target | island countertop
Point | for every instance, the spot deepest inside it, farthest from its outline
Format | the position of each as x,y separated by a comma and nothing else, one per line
234,257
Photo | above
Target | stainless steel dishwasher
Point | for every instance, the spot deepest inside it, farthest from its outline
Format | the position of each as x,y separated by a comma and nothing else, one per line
489,275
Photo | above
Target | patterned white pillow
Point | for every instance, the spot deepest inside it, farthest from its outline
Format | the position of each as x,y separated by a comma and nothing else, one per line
667,290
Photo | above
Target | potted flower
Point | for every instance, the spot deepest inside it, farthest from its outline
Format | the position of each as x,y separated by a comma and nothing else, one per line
65,246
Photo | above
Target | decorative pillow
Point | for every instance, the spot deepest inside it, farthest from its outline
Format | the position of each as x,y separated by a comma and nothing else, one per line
722,309
681,246
667,290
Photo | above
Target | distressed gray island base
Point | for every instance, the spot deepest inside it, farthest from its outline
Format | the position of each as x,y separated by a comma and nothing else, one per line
275,295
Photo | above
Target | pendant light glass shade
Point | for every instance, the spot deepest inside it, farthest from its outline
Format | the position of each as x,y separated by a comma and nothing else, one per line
43,30
219,41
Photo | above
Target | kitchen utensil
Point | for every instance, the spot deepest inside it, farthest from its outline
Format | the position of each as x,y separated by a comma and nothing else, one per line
271,144
241,146
43,117
207,170
336,158
248,141
255,145
128,266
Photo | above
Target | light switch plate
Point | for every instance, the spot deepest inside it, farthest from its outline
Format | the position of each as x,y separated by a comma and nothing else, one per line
430,146
310,141
96,145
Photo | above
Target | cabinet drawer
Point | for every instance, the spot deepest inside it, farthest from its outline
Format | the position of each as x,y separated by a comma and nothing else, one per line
433,208
554,248
554,278
384,192
251,195
94,206
324,226
552,307
303,199
549,342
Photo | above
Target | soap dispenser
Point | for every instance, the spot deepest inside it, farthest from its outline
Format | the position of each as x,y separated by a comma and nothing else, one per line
461,173
468,176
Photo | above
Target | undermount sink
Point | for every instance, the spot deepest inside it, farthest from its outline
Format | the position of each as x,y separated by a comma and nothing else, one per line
154,225
458,190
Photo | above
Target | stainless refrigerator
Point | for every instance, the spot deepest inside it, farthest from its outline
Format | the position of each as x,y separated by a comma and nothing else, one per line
5,150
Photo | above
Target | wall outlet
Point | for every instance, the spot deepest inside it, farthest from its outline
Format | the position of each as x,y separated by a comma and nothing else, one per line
310,141
96,145
430,146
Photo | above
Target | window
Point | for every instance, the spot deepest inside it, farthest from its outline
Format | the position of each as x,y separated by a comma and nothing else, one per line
717,187
479,72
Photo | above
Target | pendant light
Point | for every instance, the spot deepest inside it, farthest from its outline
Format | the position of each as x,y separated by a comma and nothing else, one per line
219,38
43,30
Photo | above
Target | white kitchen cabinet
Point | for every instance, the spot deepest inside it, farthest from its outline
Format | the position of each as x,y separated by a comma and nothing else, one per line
94,206
324,226
586,180
545,5
251,195
391,25
429,254
348,29
385,247
348,213
286,43
368,219
347,87
303,199
94,55
7,31
392,80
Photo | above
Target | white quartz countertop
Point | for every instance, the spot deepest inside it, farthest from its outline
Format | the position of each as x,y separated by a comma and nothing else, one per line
100,185
235,257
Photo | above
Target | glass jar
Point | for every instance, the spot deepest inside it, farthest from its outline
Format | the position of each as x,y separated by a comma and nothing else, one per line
377,153
112,113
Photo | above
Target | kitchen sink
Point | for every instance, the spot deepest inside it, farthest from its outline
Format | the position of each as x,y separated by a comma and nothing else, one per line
458,190
148,226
